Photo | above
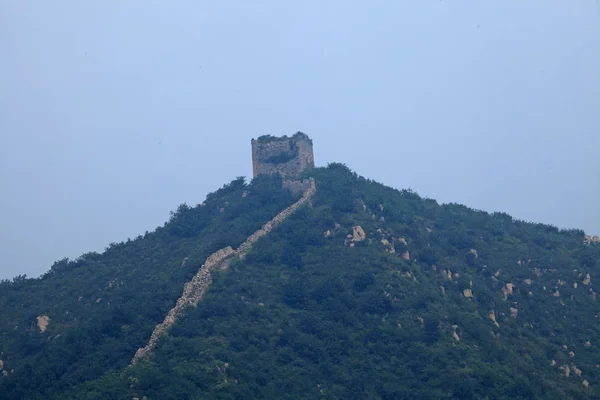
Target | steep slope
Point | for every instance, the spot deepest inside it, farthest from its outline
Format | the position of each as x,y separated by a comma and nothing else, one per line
100,308
369,292
194,290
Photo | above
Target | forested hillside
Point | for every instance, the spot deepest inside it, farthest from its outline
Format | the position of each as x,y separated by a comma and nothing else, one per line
367,293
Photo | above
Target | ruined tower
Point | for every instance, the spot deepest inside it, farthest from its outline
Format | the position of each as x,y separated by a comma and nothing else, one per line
287,156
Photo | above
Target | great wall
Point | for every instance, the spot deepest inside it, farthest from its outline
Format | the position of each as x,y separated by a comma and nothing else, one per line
270,155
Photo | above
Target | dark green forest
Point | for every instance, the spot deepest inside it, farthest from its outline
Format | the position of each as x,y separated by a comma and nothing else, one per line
436,302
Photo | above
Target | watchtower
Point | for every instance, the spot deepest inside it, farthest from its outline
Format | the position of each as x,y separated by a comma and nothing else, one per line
287,156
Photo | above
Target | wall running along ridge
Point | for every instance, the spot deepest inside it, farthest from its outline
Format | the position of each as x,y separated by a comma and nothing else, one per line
195,289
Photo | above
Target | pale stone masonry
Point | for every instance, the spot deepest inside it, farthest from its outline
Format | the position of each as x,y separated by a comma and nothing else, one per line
194,290
287,156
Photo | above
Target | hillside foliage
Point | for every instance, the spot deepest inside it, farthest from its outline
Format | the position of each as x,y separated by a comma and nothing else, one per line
437,302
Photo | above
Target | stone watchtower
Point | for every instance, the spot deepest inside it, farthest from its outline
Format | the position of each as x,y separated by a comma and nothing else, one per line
287,156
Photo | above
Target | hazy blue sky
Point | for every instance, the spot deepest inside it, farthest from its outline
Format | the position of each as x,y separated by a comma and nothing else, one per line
112,113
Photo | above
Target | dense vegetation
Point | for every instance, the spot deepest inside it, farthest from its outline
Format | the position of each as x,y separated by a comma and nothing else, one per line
310,313
283,156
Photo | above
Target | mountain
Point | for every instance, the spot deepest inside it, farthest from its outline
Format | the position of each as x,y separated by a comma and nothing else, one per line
351,291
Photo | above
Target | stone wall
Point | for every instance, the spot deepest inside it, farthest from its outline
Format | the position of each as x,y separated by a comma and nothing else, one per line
194,290
298,186
287,156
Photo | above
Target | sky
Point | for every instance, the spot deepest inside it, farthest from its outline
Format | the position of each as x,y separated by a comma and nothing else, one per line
113,113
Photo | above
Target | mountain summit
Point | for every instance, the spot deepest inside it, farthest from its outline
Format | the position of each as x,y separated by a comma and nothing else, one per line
312,283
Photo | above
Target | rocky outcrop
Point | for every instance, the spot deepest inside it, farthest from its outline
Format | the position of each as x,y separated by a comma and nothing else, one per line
587,279
507,289
42,322
454,334
194,290
358,234
474,252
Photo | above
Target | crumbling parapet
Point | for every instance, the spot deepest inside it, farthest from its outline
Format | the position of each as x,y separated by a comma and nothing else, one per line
287,156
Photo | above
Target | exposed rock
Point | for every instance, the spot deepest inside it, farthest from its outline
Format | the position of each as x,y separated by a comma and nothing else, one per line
421,320
327,233
527,281
514,312
576,370
575,285
492,316
473,251
358,234
571,354
507,289
587,280
585,384
556,293
403,241
406,255
1,364
497,274
389,246
428,229
42,322
455,336
566,370
588,344
553,363
467,293
443,290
